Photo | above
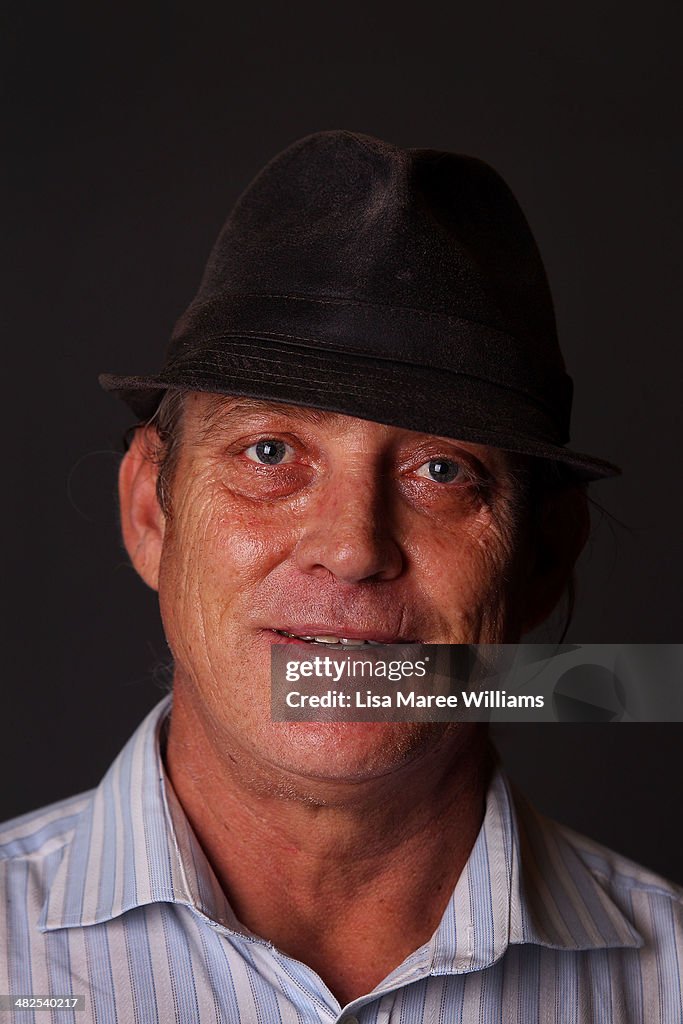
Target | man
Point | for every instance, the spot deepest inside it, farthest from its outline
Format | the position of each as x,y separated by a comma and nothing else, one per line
358,436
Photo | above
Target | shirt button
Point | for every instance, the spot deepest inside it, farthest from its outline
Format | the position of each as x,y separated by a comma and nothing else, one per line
349,1020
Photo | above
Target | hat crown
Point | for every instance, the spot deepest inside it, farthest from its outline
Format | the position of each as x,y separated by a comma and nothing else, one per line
343,216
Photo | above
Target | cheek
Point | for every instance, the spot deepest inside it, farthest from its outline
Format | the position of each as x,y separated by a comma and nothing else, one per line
466,573
249,545
216,550
215,536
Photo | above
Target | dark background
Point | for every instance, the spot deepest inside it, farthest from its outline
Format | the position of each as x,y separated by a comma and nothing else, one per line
130,133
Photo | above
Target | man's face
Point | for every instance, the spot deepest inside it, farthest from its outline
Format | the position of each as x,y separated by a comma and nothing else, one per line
287,521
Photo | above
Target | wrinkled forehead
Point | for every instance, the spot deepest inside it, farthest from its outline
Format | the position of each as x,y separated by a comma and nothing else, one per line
208,417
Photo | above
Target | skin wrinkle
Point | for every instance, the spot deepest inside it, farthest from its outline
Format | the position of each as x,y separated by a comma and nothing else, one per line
162,447
484,619
474,624
348,816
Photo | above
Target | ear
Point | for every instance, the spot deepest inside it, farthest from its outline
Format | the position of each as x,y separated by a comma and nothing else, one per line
142,520
558,537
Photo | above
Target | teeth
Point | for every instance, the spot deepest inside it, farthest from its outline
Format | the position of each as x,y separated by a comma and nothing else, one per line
334,641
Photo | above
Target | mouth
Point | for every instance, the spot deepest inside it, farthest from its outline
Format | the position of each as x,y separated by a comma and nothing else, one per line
338,642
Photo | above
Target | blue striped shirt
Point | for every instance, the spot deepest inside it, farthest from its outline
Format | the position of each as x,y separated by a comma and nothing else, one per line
109,895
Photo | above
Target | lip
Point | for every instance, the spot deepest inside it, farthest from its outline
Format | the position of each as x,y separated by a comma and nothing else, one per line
348,632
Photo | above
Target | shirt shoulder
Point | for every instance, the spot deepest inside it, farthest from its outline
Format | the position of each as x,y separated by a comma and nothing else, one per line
618,873
651,904
579,894
40,832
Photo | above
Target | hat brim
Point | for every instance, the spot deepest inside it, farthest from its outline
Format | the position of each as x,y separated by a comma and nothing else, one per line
430,401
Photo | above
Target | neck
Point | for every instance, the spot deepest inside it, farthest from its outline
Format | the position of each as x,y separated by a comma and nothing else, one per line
363,870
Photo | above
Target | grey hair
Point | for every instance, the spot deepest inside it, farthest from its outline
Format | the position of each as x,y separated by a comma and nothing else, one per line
161,439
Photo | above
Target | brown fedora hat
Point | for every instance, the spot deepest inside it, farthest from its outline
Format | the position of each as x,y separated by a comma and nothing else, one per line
402,286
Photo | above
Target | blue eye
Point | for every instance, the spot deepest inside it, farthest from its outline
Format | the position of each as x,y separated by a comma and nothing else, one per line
442,471
269,452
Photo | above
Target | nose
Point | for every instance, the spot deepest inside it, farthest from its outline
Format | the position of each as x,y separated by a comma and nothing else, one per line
350,535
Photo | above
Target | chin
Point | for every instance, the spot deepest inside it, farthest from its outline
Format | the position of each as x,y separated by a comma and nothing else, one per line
347,751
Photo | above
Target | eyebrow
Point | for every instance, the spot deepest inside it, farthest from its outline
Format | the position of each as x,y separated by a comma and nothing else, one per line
224,409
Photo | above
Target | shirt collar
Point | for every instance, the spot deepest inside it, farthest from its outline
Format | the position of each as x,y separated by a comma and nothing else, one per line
133,845
524,882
